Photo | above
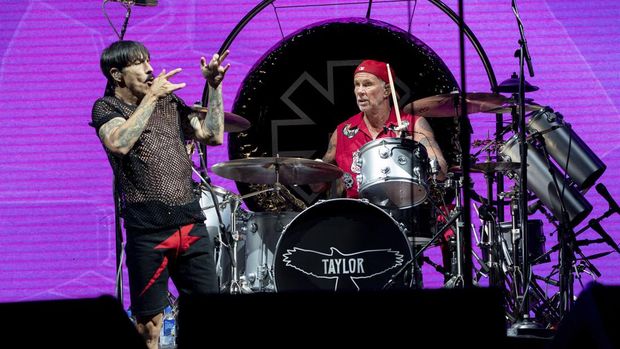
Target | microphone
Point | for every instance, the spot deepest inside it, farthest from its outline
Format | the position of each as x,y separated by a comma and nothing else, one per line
613,205
138,2
596,226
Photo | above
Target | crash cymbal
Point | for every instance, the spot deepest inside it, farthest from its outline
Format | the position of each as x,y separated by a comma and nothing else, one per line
290,170
443,106
232,122
512,85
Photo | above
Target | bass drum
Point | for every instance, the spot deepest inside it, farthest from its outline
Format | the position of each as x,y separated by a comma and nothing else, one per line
341,245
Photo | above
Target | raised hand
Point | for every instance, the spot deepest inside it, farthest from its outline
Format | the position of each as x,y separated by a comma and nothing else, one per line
161,86
214,71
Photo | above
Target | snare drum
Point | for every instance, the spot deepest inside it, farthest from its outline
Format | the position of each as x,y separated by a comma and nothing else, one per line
341,245
393,172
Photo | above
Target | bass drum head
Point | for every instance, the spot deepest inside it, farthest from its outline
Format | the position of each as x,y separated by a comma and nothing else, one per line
341,245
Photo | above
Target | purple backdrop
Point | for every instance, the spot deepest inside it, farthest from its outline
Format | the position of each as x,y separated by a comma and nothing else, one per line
56,212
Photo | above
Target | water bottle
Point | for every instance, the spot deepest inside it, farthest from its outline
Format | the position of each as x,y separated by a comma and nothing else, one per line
131,317
167,337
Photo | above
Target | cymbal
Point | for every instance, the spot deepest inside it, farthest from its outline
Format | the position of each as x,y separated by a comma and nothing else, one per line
443,106
290,170
489,167
512,85
232,122
495,166
506,108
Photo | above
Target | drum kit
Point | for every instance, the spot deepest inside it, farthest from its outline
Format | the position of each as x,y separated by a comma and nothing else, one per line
369,244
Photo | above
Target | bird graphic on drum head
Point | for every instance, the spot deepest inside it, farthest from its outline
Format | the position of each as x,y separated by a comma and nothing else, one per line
345,268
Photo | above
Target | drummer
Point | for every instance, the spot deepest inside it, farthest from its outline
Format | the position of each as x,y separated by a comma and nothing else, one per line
376,119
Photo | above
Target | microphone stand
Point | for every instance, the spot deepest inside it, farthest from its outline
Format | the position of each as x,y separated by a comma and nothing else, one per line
522,314
463,229
127,15
120,250
566,237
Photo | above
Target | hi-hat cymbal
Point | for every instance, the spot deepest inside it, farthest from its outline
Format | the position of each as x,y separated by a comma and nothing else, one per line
495,166
232,122
506,108
490,167
512,85
269,170
444,105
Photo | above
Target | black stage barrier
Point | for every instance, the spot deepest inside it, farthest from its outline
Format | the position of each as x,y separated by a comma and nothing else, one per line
81,323
594,320
424,318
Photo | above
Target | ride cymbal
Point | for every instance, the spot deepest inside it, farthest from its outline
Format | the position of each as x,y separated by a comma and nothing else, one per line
445,105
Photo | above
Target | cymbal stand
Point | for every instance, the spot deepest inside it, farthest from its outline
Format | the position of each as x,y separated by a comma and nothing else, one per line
454,215
457,278
489,239
488,215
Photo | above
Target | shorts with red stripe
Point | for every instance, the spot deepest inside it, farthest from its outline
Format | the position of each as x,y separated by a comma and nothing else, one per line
184,254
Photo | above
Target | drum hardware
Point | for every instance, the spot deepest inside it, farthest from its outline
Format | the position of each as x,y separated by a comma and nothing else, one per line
594,224
599,255
453,217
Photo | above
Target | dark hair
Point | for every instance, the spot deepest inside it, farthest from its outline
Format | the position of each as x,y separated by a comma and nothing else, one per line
121,54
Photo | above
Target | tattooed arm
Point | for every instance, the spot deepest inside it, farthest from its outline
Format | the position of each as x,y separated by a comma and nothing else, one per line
330,158
120,135
211,129
330,154
423,133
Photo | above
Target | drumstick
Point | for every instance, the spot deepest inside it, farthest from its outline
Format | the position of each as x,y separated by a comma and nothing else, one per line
394,100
